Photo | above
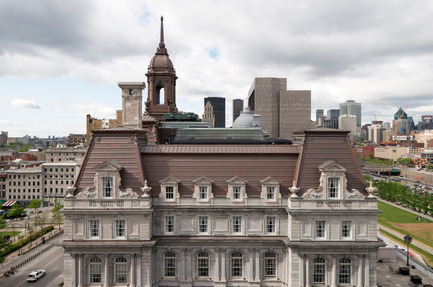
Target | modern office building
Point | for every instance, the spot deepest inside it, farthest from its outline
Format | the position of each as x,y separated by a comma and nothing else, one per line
238,107
282,111
319,114
219,111
350,107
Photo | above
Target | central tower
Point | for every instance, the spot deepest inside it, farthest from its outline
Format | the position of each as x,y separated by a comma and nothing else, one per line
161,82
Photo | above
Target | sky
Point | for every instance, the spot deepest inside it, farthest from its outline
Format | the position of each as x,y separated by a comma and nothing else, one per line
62,60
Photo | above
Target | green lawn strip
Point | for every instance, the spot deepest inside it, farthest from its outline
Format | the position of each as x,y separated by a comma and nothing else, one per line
391,214
428,258
397,215
373,160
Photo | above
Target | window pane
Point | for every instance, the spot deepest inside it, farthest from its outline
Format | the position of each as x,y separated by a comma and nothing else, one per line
203,192
270,264
333,187
202,223
169,224
320,229
345,270
107,187
236,192
169,192
169,264
236,264
270,192
345,229
319,270
203,264
270,224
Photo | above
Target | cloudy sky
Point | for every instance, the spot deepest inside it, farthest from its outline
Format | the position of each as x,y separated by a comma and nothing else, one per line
61,60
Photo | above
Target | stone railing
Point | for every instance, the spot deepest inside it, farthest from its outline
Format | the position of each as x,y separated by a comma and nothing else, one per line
299,203
93,203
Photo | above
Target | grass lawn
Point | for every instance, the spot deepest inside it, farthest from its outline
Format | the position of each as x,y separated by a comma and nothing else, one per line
406,223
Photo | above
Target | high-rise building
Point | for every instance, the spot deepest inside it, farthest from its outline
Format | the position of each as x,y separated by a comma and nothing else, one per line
319,114
281,111
238,107
219,110
350,107
347,123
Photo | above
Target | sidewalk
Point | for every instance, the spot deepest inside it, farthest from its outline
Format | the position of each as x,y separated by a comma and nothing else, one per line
31,250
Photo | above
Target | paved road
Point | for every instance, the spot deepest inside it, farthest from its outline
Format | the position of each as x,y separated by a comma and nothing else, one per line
51,261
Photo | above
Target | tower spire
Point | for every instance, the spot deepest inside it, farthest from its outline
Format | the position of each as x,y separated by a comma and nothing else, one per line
161,48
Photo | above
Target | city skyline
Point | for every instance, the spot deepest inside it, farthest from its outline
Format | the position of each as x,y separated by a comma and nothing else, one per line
377,54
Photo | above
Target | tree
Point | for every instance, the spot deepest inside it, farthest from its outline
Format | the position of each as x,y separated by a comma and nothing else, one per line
35,204
405,161
57,215
40,219
15,211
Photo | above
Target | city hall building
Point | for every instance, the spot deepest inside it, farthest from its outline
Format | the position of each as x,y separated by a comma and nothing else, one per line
225,211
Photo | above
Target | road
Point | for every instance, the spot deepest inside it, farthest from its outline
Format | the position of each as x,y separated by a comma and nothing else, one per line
51,261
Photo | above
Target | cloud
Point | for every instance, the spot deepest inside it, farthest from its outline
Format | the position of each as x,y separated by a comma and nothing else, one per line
96,110
21,103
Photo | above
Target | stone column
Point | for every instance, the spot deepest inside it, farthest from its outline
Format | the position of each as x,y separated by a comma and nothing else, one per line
80,270
367,271
359,283
334,273
188,265
223,265
106,271
216,266
138,270
74,269
251,266
132,282
307,271
182,266
301,270
258,265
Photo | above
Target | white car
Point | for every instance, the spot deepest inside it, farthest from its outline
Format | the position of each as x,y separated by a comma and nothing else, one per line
35,275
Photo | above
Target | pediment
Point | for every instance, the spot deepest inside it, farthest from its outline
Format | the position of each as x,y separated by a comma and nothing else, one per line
108,165
236,180
203,180
269,181
331,165
169,180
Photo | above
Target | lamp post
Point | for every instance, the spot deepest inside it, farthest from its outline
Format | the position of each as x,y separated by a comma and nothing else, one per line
408,240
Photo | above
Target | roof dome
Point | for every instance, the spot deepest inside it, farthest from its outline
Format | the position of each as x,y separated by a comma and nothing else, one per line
161,61
247,119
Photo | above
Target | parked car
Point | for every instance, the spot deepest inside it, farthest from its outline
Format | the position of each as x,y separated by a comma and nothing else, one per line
35,275
410,253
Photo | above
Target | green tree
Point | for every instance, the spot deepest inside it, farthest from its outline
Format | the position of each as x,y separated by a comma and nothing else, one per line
57,215
35,204
405,161
16,210
40,220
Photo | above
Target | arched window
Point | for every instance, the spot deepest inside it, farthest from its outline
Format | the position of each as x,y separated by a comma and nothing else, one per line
236,265
95,270
319,269
120,270
203,264
169,264
270,264
345,271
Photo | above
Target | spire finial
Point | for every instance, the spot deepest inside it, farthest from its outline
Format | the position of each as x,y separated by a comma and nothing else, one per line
161,37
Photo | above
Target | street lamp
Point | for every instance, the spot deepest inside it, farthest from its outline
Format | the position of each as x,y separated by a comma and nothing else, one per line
408,240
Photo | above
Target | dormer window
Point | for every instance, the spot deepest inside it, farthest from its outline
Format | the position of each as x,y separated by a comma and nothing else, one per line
203,190
333,187
107,187
237,190
270,190
169,192
169,189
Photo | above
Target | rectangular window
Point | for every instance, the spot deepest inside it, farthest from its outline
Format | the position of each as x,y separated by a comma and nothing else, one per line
237,224
169,192
270,224
333,187
202,224
236,192
107,187
320,229
202,192
169,224
93,228
270,192
120,231
345,229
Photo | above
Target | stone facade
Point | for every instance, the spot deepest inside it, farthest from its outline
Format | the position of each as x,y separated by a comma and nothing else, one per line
64,155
